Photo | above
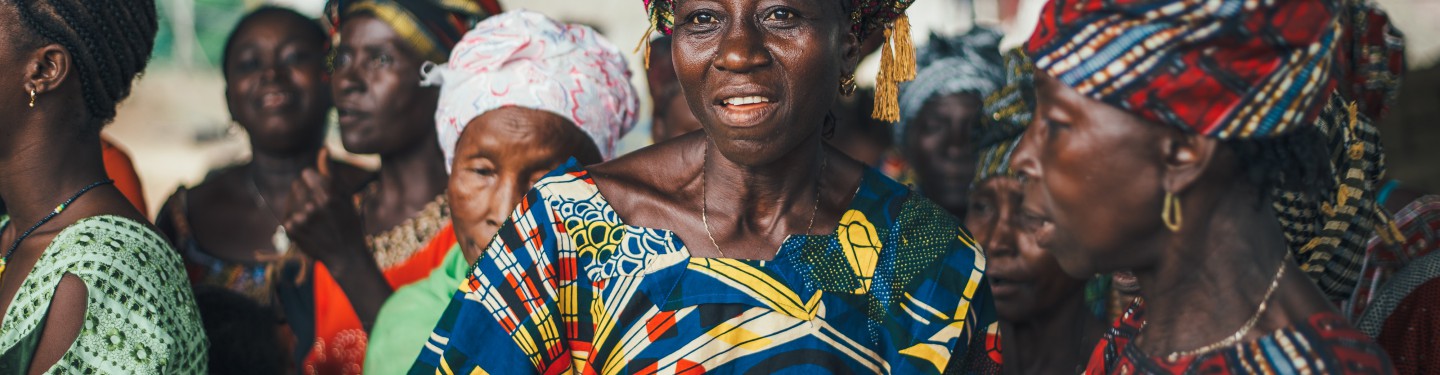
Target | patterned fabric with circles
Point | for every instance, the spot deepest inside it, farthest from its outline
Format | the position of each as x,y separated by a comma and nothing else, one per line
140,316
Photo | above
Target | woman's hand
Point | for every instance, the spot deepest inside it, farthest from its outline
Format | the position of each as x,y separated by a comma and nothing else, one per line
324,222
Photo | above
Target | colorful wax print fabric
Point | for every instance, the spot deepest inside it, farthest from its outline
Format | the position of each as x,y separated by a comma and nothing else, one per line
568,287
1322,344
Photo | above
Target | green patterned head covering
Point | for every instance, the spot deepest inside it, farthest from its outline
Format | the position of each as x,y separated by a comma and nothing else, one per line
1007,112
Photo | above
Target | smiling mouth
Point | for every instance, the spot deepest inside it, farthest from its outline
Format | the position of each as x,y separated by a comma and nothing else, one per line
745,101
275,100
745,111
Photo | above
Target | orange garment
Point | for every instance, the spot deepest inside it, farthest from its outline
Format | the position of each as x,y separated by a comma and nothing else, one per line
118,166
339,337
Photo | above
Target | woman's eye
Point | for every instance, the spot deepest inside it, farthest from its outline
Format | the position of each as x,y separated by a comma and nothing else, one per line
487,172
247,65
702,18
781,15
340,60
1052,126
382,60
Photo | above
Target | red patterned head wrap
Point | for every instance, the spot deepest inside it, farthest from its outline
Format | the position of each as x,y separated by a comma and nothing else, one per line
1229,69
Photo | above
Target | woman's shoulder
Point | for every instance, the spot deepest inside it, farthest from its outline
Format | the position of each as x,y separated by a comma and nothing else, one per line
116,255
654,170
886,201
109,237
138,296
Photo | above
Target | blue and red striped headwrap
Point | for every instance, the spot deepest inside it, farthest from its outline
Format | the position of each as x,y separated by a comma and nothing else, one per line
1229,69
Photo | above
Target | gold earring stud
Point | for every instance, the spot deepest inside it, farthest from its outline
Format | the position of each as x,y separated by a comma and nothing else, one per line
1170,214
32,98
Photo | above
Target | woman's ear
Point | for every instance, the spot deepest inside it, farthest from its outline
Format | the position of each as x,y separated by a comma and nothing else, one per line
853,53
47,68
1187,157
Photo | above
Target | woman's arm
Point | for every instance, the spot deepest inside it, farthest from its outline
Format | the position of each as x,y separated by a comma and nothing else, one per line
63,322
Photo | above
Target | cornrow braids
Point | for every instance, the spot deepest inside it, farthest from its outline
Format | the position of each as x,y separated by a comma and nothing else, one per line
109,43
1293,162
311,29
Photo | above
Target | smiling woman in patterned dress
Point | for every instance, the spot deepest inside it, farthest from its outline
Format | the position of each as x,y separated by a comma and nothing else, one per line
749,247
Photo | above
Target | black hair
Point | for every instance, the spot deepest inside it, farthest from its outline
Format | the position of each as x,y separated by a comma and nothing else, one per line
109,44
1298,162
243,337
311,29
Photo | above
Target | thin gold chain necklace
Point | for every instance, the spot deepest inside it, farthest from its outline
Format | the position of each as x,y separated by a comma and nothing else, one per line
705,196
279,239
1245,329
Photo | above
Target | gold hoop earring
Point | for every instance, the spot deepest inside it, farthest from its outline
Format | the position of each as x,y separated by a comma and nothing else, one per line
848,85
1171,213
32,98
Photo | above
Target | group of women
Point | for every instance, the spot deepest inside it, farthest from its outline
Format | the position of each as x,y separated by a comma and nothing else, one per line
1210,161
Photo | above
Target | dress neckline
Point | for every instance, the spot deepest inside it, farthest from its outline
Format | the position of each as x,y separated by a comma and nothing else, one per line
862,199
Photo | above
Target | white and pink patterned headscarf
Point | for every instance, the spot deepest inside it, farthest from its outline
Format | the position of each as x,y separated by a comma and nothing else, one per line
525,59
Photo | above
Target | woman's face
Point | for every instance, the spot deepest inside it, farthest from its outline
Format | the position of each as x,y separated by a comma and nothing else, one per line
1093,170
382,106
500,155
276,86
938,145
760,75
1025,279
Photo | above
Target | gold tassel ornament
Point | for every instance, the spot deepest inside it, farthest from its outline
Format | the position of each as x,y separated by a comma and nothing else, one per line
643,48
887,90
897,64
904,50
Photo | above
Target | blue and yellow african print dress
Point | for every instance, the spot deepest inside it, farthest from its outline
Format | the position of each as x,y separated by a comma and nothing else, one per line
567,287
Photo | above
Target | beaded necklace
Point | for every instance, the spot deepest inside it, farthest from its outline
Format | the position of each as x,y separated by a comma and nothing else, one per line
56,212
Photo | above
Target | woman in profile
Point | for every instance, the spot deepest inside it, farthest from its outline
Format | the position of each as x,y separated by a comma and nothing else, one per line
1204,136
86,285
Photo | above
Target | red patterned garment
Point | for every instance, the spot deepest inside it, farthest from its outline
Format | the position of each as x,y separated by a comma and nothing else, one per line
1323,344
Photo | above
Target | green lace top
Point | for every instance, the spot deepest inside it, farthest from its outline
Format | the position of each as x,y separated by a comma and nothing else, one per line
140,315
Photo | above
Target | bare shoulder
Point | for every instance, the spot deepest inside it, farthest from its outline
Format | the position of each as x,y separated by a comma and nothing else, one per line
63,322
660,170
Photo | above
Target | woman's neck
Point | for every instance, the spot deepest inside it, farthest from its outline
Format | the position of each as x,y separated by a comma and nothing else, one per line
408,180
44,168
762,196
1212,277
1054,343
272,173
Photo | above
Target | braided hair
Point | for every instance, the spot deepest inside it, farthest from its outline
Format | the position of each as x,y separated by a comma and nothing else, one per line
1295,162
310,29
109,44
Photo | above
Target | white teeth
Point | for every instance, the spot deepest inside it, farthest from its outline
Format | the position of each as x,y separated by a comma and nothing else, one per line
747,100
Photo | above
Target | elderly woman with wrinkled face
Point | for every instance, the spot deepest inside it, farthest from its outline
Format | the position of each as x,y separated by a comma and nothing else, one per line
748,247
